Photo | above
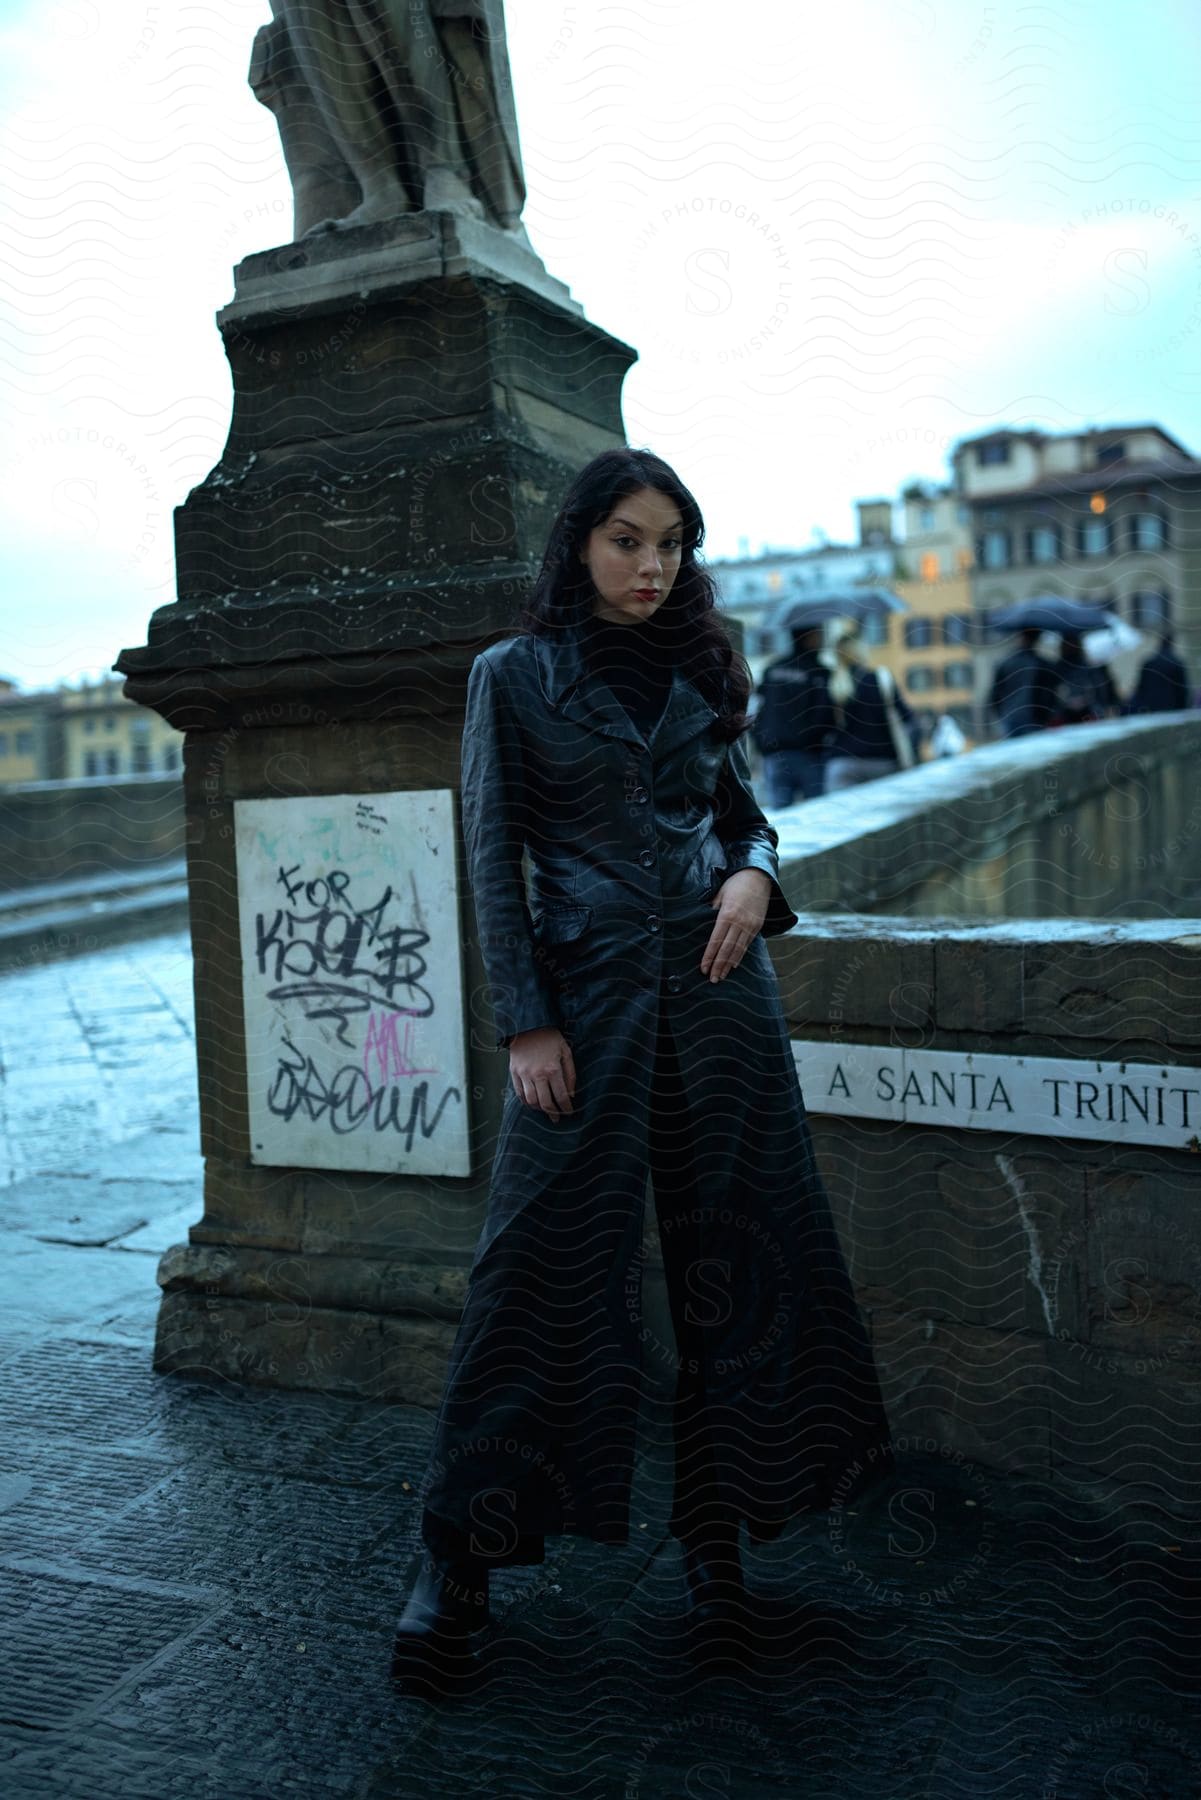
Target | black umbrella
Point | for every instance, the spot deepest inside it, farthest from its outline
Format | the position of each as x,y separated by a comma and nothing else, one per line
853,603
1052,613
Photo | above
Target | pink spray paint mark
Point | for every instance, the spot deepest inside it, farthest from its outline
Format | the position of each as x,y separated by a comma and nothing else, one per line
393,1057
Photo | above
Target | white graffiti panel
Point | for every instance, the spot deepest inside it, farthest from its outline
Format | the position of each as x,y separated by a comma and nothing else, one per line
352,982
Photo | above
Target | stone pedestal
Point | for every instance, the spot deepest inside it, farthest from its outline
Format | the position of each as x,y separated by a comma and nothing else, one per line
410,403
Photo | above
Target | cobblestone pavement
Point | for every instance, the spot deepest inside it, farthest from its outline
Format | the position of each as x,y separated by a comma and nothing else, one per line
200,1581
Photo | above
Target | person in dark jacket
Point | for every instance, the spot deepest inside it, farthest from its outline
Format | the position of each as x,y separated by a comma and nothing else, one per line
1083,693
1022,698
875,732
632,987
794,721
1162,682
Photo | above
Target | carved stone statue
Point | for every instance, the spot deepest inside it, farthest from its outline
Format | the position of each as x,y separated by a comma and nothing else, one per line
392,106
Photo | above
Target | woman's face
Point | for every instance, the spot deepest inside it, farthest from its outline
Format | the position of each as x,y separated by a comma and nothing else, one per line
634,557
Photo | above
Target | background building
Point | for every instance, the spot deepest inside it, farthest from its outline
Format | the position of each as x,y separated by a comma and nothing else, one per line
82,733
1111,515
30,735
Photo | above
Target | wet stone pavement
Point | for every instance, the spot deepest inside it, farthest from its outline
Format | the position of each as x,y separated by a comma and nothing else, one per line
200,1581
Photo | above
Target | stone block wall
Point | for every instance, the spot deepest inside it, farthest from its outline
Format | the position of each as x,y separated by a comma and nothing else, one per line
62,830
1034,1302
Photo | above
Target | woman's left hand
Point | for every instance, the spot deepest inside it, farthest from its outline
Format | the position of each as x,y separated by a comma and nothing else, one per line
741,903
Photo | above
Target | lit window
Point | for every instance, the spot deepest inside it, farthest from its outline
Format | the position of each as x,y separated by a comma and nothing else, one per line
928,566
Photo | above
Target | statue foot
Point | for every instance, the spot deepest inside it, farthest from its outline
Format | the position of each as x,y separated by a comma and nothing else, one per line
384,202
446,191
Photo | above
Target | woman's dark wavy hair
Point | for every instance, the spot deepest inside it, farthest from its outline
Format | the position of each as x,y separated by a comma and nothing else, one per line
686,628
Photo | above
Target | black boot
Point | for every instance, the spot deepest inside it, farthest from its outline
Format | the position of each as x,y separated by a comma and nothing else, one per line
716,1593
448,1602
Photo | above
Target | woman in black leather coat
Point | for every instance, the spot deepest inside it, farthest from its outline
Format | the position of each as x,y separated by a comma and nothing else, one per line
642,1016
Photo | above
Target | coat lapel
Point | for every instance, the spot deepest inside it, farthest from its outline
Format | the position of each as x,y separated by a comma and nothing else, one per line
580,695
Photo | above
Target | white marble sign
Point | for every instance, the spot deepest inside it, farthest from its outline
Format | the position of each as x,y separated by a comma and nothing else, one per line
352,982
1044,1096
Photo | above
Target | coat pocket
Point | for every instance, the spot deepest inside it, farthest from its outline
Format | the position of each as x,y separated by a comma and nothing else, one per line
562,924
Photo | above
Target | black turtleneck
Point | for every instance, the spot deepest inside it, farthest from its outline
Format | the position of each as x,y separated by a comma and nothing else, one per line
636,669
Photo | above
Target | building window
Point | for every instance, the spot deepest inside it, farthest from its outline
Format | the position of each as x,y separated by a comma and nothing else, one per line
112,762
919,634
24,745
1151,612
957,628
1042,544
994,450
110,723
919,679
3,743
89,724
957,675
925,518
1148,531
1093,537
928,566
993,550
140,757
170,756
1110,453
91,762
874,629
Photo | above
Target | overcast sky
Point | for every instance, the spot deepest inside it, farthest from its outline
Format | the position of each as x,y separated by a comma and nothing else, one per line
840,237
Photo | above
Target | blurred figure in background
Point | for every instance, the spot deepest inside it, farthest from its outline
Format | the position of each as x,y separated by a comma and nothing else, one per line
1083,693
1022,698
875,732
794,720
1162,682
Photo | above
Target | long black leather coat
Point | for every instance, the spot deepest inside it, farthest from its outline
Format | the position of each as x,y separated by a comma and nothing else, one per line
628,840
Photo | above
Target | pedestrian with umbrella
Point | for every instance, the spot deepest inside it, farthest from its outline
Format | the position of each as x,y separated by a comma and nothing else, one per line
1078,691
1084,693
1022,697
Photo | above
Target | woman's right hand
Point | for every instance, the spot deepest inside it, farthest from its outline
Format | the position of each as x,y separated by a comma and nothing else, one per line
542,1070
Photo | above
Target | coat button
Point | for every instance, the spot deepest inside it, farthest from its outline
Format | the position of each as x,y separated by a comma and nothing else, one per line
653,922
647,858
675,983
